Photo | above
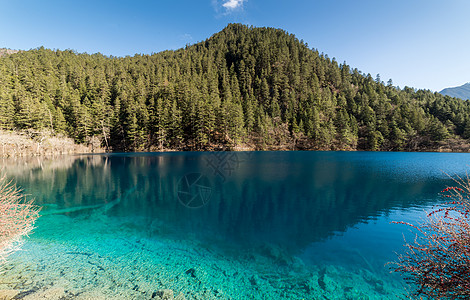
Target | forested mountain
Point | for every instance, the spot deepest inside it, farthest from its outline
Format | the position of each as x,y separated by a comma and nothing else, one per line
259,88
462,92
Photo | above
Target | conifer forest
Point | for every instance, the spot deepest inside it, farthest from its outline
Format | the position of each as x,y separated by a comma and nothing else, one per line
242,88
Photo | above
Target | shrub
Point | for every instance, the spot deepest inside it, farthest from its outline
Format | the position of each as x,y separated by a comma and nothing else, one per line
438,260
17,217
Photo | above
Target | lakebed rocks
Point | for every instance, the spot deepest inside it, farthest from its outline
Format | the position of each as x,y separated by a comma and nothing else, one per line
102,264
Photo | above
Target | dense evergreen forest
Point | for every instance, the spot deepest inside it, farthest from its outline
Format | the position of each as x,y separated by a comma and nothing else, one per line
244,87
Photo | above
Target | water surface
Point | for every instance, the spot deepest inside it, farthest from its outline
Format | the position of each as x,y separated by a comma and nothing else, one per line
261,225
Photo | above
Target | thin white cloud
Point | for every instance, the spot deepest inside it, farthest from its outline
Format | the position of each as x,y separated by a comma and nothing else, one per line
186,37
233,4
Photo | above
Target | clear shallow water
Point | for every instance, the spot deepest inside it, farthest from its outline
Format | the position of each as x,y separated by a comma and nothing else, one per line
265,225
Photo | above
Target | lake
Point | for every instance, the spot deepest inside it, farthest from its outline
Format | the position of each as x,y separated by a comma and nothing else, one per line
223,225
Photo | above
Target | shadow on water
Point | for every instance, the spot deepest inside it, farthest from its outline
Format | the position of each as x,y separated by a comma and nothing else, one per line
243,199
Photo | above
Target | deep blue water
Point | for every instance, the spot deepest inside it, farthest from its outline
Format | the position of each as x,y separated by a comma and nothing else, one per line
228,225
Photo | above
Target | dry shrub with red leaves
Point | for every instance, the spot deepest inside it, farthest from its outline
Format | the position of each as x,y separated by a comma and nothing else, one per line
438,261
17,217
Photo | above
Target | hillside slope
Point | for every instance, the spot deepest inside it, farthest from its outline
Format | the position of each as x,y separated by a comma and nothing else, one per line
243,88
462,92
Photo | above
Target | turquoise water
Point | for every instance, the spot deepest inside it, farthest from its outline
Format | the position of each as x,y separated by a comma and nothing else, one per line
244,225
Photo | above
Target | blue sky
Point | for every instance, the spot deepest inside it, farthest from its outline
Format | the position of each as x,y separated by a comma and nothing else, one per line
417,43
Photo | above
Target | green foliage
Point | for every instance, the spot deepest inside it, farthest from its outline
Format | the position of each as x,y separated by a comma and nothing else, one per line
258,86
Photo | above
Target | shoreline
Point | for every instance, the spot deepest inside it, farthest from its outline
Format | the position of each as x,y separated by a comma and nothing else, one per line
27,144
37,144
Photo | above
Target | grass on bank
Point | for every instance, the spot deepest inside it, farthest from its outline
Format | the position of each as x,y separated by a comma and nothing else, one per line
40,143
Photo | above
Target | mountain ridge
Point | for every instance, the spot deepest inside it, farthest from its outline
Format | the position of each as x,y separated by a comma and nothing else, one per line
462,92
